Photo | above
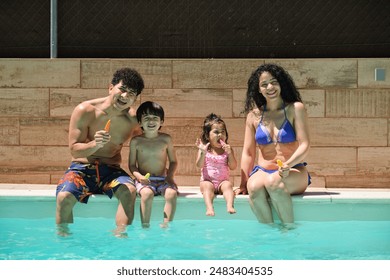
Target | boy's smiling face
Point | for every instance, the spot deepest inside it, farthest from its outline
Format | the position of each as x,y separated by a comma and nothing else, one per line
150,123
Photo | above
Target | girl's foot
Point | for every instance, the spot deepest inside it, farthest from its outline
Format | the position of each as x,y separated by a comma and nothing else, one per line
231,209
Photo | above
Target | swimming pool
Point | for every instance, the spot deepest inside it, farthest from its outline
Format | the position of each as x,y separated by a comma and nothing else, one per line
327,229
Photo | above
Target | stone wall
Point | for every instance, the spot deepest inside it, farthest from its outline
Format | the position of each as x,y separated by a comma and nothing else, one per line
349,112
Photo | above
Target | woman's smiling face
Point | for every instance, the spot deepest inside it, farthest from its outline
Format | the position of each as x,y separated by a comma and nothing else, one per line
269,86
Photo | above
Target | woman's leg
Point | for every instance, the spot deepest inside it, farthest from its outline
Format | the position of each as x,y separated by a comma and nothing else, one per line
258,197
280,191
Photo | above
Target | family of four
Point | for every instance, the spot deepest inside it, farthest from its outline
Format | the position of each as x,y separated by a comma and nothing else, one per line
276,143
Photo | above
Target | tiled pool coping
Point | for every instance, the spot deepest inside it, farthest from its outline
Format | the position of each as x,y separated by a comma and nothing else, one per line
311,194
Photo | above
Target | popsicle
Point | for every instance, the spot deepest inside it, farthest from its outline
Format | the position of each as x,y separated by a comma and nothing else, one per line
147,175
279,162
222,142
107,127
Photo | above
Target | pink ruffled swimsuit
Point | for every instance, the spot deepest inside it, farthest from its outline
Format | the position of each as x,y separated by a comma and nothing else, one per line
215,169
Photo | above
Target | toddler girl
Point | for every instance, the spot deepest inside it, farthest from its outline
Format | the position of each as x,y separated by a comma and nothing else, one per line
215,158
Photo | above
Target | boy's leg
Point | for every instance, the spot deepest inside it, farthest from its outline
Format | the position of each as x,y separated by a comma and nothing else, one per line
207,189
228,194
147,196
170,204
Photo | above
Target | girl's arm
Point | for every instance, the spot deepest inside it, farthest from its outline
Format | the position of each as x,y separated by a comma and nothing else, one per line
232,162
202,150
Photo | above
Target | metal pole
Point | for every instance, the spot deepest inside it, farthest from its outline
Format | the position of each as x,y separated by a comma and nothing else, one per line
53,28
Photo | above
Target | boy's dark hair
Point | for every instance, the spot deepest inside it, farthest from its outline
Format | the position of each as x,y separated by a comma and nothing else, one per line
130,78
289,91
150,107
208,123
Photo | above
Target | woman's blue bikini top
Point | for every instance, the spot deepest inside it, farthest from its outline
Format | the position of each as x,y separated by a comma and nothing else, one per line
286,132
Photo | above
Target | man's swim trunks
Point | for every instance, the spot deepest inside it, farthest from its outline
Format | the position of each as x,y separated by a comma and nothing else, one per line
84,179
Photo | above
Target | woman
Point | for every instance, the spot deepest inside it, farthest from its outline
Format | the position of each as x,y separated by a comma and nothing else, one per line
276,123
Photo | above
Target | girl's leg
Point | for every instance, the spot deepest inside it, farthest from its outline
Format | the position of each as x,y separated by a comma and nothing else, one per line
258,197
207,189
228,194
146,203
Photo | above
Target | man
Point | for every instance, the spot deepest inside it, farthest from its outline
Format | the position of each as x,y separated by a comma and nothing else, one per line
97,130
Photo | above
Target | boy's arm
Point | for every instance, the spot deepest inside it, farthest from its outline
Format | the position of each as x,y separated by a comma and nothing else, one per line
133,158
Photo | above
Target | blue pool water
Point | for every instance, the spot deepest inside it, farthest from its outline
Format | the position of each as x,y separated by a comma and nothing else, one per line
27,232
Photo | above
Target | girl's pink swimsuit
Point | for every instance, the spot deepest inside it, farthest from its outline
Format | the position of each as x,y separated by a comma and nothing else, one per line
215,169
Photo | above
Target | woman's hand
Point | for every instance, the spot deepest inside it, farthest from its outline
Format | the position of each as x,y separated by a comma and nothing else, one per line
284,171
241,190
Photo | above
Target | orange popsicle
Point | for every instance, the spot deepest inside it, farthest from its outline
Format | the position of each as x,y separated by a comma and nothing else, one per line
107,127
279,162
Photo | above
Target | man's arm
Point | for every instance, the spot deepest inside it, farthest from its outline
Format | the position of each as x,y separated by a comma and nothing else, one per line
80,120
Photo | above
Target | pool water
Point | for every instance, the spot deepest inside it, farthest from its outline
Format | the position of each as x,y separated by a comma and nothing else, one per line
27,232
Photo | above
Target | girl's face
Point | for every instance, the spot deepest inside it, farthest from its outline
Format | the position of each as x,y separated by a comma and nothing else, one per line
269,86
217,133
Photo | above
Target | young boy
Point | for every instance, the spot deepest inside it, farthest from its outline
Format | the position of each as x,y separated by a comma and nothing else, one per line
149,153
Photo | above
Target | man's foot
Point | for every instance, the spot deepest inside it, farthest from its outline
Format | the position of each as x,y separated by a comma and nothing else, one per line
120,232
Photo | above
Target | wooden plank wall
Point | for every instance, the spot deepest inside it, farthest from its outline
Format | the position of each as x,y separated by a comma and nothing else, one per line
349,112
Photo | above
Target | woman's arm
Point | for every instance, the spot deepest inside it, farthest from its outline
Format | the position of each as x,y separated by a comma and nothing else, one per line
302,134
248,151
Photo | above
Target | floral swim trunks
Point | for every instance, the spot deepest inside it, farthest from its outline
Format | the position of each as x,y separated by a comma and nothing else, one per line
85,179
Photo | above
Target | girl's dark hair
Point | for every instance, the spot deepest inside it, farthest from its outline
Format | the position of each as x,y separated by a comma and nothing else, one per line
289,91
208,123
130,78
150,107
